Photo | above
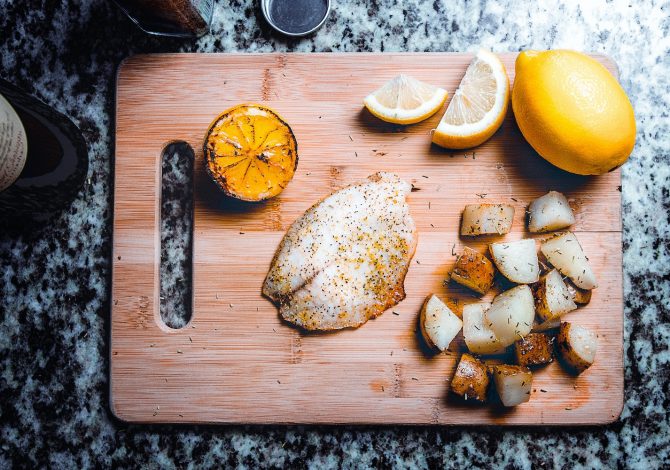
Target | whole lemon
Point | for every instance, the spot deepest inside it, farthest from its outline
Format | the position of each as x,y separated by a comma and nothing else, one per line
572,111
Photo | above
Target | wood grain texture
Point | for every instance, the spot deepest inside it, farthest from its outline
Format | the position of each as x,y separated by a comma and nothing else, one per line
236,362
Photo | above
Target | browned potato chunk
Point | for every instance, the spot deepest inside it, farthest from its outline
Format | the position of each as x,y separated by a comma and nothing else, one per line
511,315
577,346
550,212
517,260
439,325
471,380
533,350
474,271
565,253
513,384
487,219
579,296
478,336
552,298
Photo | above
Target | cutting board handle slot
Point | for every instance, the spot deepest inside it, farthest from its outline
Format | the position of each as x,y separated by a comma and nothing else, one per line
176,225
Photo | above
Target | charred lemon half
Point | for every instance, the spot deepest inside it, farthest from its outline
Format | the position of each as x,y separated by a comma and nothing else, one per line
251,152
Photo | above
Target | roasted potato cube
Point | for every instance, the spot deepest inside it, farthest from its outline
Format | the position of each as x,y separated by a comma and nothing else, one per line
487,219
474,271
549,212
479,338
471,380
517,260
565,254
511,314
577,347
513,384
534,349
439,325
552,298
579,296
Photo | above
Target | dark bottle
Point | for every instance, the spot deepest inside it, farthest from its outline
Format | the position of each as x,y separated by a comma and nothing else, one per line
43,157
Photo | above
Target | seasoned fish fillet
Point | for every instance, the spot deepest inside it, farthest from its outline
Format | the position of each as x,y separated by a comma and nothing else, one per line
344,260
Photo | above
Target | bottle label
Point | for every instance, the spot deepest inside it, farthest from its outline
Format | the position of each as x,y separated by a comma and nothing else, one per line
13,145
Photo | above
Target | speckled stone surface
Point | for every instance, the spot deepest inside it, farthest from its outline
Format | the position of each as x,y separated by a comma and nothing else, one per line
54,282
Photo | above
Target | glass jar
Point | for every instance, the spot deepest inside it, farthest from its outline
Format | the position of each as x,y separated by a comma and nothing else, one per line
180,18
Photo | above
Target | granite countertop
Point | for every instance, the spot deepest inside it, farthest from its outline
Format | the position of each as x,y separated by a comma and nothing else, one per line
54,314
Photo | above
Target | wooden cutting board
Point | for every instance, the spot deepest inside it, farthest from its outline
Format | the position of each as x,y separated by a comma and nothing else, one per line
236,362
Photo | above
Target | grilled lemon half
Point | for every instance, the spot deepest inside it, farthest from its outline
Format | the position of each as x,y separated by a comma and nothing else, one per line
251,152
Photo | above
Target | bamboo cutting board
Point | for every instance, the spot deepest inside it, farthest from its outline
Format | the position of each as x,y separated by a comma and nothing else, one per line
236,362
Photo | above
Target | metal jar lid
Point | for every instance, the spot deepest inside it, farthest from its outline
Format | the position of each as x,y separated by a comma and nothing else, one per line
295,17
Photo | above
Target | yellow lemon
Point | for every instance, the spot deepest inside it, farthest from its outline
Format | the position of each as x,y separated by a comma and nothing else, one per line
572,111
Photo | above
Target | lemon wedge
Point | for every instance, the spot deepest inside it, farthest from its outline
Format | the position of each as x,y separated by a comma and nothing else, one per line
478,106
405,100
